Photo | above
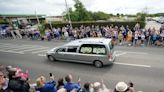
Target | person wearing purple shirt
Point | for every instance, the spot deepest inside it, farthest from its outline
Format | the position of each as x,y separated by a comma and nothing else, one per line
69,86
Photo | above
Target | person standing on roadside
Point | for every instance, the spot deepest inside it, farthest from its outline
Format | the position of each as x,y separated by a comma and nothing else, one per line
70,86
3,80
129,37
44,86
60,84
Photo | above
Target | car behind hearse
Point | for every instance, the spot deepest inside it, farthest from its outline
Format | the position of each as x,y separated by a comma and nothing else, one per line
96,51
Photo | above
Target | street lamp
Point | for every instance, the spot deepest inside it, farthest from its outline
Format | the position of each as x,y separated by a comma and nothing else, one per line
69,18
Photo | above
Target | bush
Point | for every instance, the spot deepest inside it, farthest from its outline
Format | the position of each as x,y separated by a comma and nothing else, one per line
42,29
3,21
90,23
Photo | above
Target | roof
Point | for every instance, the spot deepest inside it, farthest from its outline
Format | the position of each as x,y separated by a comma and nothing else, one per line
20,15
88,40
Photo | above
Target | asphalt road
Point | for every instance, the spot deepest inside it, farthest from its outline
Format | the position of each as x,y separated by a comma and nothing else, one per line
143,66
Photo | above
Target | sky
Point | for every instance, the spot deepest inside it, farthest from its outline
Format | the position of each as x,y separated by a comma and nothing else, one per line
57,7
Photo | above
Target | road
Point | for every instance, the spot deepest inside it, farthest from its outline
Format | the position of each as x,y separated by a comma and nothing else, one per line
143,66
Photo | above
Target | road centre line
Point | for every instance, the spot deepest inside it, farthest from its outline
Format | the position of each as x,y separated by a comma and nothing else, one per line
128,64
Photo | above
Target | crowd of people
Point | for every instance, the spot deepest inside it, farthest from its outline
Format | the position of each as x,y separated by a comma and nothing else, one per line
123,35
16,80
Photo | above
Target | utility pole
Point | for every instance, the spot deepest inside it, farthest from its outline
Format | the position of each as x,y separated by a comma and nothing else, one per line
37,20
69,18
50,22
37,17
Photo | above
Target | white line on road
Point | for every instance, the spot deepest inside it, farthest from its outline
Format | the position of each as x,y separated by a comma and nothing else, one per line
22,48
43,55
138,65
33,49
120,54
12,51
39,51
136,52
17,47
133,52
5,44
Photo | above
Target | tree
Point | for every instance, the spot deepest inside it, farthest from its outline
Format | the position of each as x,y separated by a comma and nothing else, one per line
118,14
122,15
100,16
141,16
81,14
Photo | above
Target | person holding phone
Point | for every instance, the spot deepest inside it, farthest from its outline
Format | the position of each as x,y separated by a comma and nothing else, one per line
44,86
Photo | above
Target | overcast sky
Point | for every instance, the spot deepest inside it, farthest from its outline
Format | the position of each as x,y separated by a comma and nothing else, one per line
56,7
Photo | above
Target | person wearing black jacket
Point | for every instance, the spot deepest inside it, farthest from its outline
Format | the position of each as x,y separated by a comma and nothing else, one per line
16,84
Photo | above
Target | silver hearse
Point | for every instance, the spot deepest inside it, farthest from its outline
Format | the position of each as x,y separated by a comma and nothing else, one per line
96,51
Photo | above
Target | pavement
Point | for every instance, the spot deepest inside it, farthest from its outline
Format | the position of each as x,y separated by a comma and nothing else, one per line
143,66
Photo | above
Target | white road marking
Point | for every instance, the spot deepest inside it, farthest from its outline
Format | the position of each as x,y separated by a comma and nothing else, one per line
1,44
128,64
23,48
43,55
116,51
15,46
136,52
20,47
123,53
11,46
5,44
6,48
12,51
33,49
39,51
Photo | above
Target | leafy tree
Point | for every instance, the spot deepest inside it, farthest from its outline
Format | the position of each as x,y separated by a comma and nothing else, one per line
122,15
141,16
100,16
118,14
81,14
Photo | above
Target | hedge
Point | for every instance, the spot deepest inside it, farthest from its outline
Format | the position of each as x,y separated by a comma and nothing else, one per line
78,24
3,22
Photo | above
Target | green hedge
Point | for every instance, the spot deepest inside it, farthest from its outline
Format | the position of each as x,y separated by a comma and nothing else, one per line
78,24
3,22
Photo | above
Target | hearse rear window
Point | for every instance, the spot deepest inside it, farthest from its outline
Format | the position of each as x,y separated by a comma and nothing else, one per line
99,49
93,49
